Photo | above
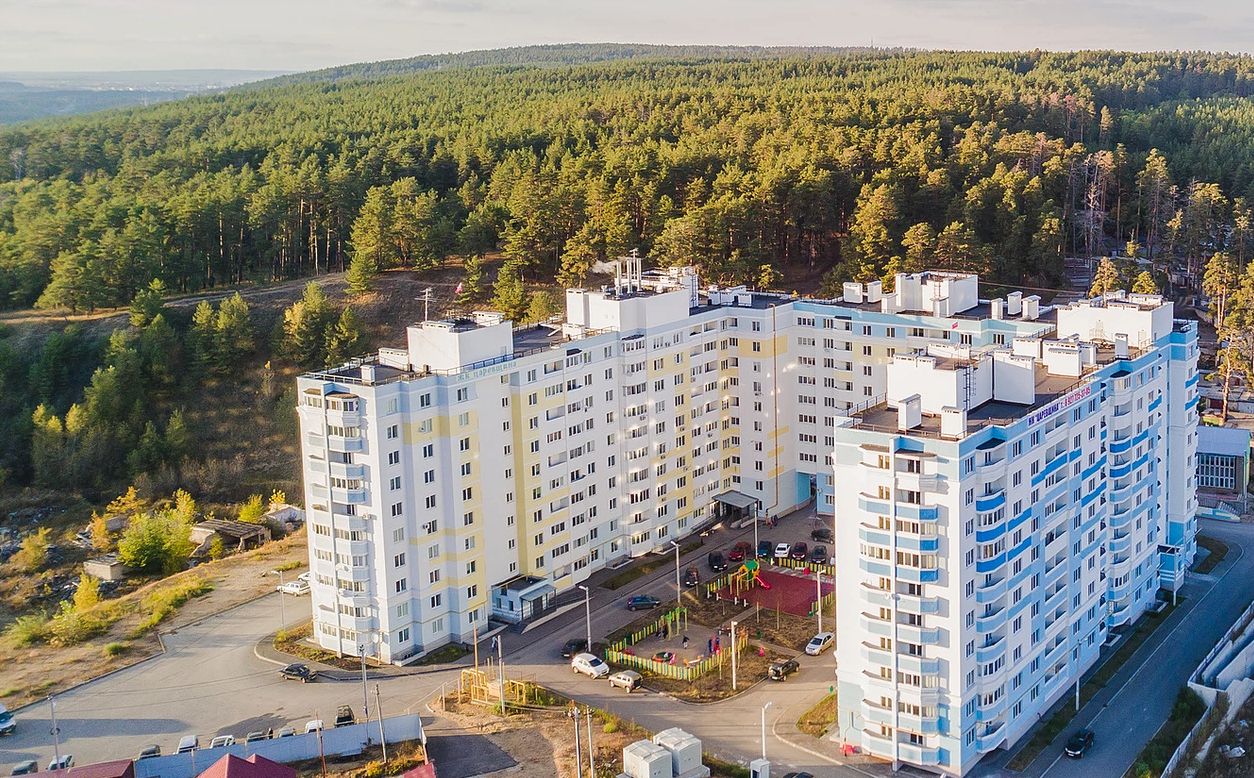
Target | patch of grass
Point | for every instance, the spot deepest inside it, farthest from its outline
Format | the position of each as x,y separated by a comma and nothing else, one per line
1064,709
289,565
724,769
161,603
816,720
1185,713
10,691
1218,550
716,684
643,568
116,648
443,655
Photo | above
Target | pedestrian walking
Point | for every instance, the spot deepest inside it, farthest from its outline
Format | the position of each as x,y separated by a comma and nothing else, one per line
709,646
685,642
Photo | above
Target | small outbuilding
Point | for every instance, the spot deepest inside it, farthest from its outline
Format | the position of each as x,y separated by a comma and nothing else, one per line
106,568
235,535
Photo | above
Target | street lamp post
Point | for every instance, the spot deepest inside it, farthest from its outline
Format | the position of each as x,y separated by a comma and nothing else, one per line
678,590
587,611
282,616
764,707
818,597
755,528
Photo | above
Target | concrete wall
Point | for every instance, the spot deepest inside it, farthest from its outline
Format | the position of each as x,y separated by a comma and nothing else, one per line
341,741
440,347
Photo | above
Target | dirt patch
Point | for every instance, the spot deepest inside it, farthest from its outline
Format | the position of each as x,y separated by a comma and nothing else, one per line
29,673
716,685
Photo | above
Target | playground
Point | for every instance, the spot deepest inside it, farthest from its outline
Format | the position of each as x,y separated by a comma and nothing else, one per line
782,589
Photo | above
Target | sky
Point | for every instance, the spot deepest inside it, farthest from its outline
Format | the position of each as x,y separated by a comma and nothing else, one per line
46,35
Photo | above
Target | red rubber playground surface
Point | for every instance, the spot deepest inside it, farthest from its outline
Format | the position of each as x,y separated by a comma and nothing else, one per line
788,593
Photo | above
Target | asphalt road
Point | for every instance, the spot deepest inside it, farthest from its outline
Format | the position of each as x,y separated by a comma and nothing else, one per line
210,682
1125,722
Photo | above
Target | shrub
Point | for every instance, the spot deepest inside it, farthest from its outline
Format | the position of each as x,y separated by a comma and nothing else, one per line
610,727
116,649
28,630
30,558
71,626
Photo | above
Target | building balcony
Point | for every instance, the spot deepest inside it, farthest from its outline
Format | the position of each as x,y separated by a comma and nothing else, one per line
337,443
875,654
917,482
879,537
876,744
346,470
920,755
923,606
990,712
874,596
920,725
991,592
991,502
990,620
925,544
1120,544
873,625
908,663
874,713
991,651
875,567
927,636
918,575
344,418
994,738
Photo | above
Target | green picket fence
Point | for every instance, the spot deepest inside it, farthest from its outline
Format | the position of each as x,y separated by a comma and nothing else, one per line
684,672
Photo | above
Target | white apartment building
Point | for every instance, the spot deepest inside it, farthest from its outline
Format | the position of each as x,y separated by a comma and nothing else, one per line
483,469
1005,509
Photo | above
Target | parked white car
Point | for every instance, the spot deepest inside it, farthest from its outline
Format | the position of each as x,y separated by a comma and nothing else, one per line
820,643
221,741
626,679
590,665
297,587
782,550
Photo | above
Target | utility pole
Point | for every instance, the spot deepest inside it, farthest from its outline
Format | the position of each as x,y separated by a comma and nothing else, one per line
56,731
587,609
500,668
733,653
592,764
574,713
282,617
764,707
1077,693
818,599
426,303
378,705
365,692
678,590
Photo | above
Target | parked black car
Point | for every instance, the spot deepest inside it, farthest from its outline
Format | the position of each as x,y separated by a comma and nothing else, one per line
298,672
780,670
800,550
642,602
818,555
765,549
821,535
692,577
717,562
1079,743
574,646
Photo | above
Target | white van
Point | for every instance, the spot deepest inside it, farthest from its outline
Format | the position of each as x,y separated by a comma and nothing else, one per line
187,744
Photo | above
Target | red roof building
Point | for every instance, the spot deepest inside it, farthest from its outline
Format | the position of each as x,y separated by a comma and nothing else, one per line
119,768
231,766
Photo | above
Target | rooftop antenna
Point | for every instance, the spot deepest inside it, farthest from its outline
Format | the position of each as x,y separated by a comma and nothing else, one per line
426,303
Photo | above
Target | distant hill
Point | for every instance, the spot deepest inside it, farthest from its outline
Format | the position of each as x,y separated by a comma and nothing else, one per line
564,54
35,95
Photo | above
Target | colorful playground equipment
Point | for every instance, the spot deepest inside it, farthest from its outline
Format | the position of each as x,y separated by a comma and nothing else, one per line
748,575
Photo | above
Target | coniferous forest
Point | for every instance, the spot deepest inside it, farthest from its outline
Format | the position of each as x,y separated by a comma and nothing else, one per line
756,165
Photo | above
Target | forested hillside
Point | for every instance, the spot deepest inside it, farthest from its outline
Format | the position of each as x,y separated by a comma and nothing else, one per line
758,165
860,162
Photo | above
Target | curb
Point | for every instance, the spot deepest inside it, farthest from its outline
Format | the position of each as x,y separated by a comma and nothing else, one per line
161,651
370,675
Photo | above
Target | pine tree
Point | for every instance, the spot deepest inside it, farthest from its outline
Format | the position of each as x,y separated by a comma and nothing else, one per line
305,327
202,336
472,282
361,274
1144,283
344,338
1105,278
178,440
148,303
509,296
233,332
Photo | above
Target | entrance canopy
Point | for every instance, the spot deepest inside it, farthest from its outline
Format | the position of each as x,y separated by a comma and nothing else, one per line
736,500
